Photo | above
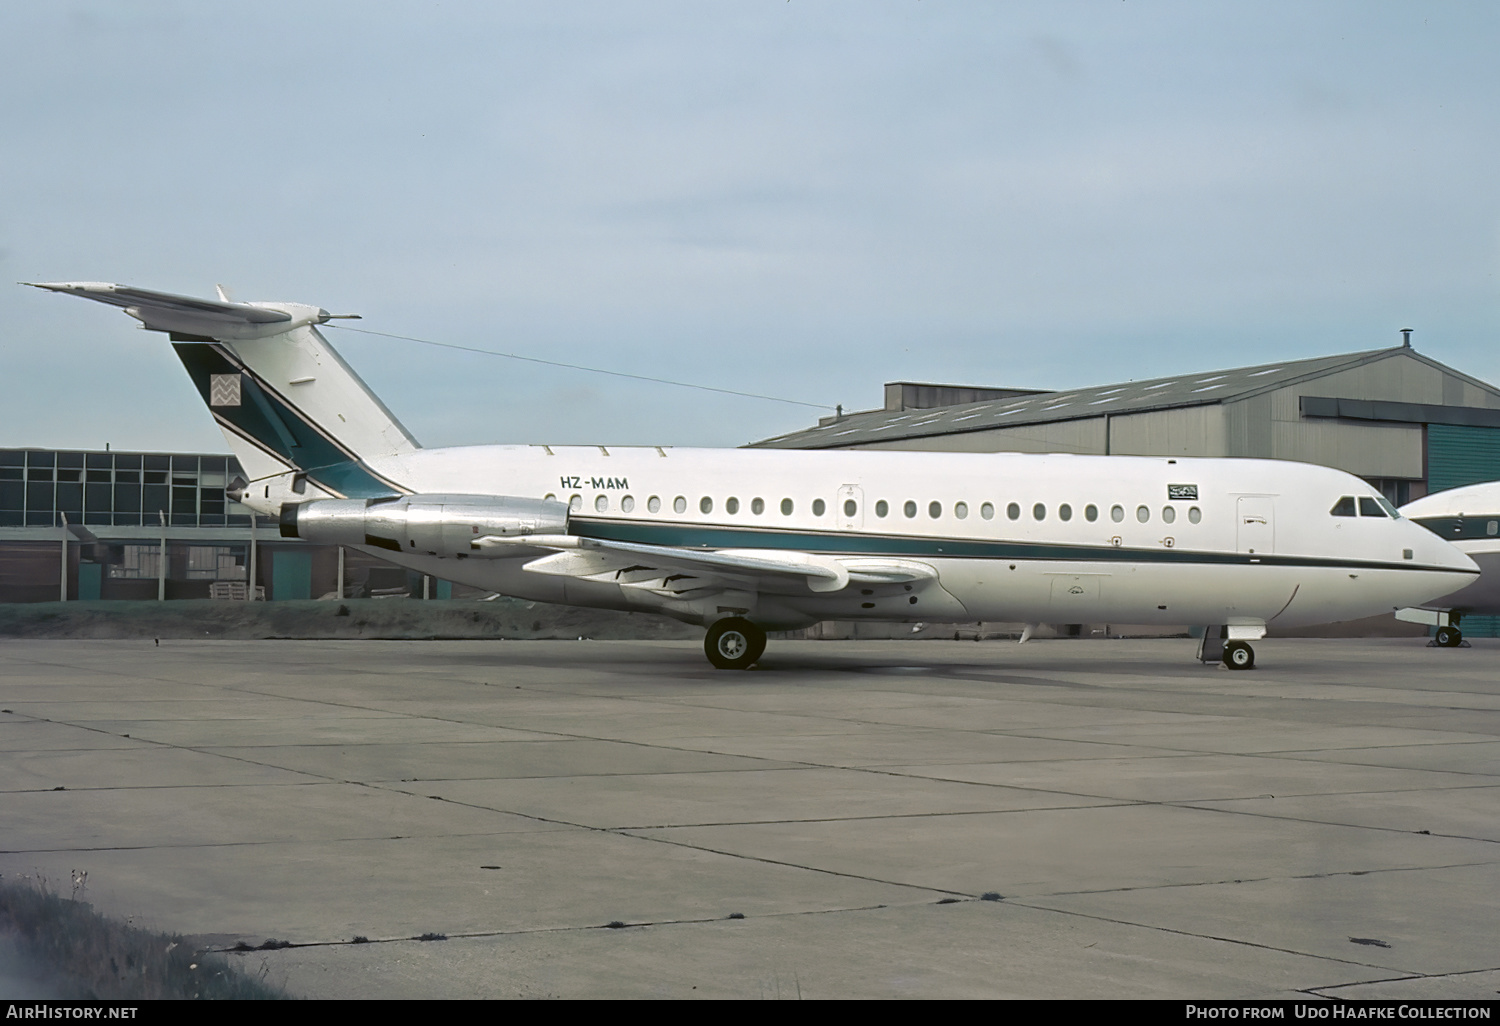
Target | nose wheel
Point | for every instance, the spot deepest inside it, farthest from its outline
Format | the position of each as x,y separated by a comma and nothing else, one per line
734,644
1239,656
1449,637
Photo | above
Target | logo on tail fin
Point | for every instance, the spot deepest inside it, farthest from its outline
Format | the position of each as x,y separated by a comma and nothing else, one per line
224,390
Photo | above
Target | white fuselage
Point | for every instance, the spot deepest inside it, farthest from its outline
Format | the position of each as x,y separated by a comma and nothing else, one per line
1233,542
1467,518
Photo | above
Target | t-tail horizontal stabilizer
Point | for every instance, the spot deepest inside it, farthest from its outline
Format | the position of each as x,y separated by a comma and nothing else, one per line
292,410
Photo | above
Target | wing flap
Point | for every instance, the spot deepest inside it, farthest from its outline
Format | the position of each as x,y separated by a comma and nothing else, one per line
632,564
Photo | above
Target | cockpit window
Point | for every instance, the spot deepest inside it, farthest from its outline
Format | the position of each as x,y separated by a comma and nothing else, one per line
1344,507
1368,507
1385,504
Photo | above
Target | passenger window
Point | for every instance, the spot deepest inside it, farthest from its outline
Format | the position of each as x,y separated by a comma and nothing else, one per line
1091,512
786,507
627,504
987,511
910,509
961,510
882,508
1065,512
706,504
1492,528
731,505
1168,514
1117,513
1039,512
1013,511
1142,514
1194,514
1368,507
654,504
757,506
818,507
1344,507
679,505
550,497
850,507
575,504
934,509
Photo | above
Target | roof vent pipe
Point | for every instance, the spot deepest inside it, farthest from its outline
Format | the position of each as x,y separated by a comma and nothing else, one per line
1406,338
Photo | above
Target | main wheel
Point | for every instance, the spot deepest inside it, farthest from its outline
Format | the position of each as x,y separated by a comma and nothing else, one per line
1239,656
1449,637
734,644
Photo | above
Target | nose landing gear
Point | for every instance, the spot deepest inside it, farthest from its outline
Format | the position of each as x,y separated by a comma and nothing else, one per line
734,644
1449,637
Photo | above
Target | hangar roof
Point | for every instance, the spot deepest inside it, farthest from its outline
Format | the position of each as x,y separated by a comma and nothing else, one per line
1179,390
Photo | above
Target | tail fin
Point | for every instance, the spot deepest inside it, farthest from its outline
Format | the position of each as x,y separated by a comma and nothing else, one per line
286,401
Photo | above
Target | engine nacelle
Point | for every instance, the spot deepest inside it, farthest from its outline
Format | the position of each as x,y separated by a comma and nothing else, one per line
429,525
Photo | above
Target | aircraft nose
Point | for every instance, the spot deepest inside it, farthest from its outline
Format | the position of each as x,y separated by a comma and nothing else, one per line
1447,556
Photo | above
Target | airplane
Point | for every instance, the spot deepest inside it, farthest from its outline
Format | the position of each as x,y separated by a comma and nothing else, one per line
1468,518
746,541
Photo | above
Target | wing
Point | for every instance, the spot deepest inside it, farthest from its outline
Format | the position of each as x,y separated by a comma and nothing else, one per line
671,571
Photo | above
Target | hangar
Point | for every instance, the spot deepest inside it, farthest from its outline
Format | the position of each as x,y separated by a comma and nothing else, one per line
1402,421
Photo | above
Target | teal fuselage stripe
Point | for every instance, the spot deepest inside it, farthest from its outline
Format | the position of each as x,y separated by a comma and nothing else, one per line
278,427
853,543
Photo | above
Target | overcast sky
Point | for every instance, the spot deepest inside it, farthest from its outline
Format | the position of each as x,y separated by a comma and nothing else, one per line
803,198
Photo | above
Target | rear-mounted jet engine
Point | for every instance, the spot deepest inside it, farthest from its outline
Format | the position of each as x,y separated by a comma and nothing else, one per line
434,525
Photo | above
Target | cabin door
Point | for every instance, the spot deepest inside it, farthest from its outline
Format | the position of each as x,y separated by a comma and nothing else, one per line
1256,525
851,508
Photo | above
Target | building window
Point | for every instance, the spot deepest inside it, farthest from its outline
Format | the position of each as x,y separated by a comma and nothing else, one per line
137,562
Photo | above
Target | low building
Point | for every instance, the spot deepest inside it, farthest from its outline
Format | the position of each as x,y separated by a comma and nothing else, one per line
94,525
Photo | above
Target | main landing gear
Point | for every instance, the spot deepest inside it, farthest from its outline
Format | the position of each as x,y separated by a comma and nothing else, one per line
734,644
1238,655
1216,646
